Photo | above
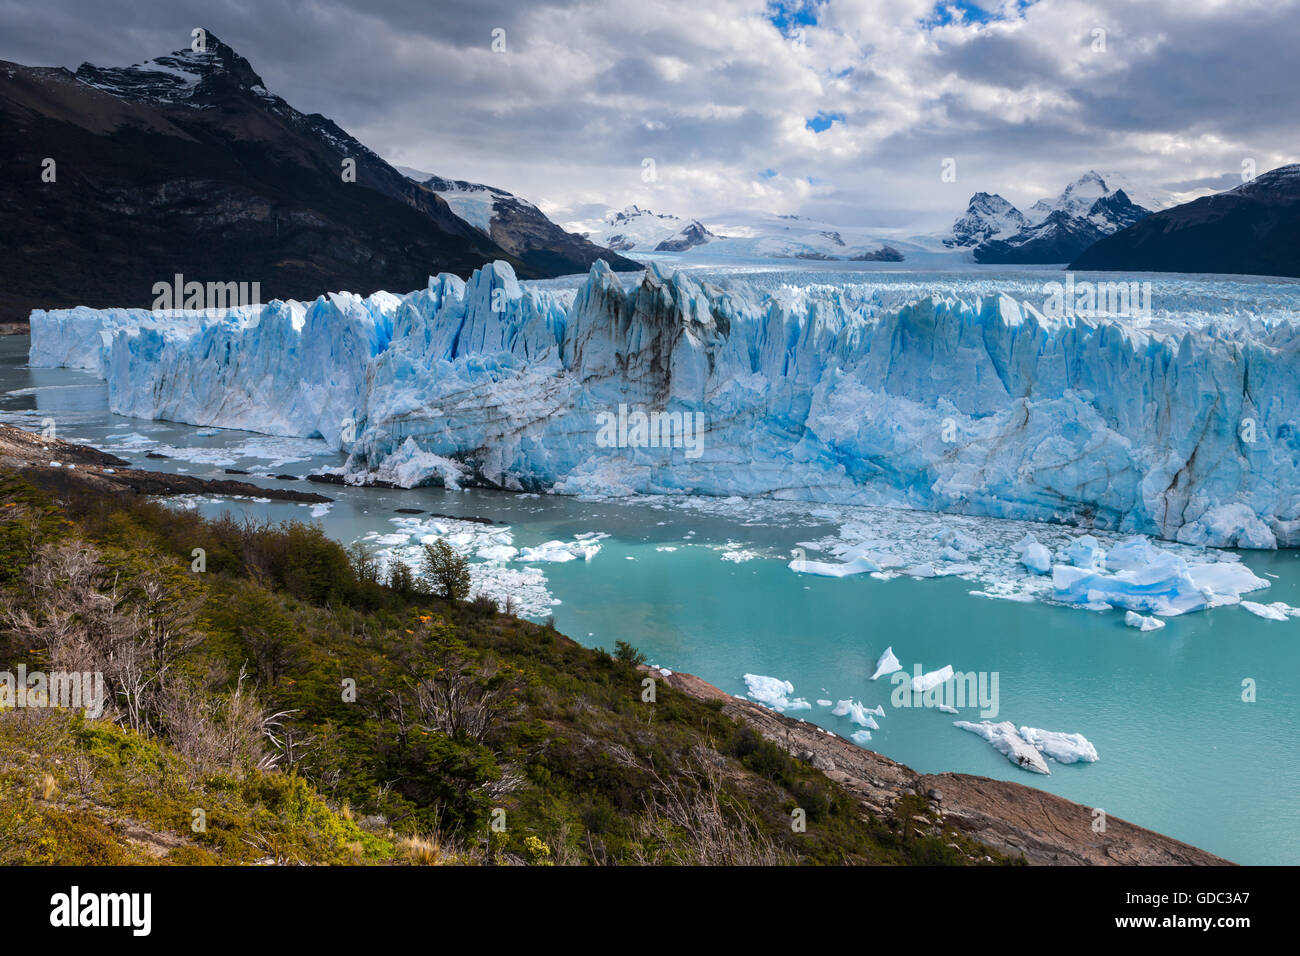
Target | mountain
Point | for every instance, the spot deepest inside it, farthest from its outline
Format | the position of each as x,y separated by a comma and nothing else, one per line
639,230
987,217
1055,230
1061,236
188,164
1253,229
519,227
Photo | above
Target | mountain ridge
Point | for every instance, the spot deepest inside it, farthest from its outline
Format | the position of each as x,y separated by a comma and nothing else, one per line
188,164
1252,229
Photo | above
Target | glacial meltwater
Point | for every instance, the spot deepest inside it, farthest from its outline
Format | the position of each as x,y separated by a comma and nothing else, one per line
705,586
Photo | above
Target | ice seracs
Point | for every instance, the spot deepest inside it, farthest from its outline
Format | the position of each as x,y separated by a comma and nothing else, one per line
825,391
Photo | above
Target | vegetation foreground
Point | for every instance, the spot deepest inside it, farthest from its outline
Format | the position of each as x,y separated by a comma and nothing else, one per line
271,700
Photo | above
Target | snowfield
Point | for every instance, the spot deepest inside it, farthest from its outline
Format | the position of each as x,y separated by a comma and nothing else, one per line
949,393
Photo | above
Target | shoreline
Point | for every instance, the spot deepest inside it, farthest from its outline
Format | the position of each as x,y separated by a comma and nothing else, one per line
103,472
1012,818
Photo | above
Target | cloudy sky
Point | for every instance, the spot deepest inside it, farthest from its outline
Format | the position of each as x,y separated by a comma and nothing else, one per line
841,109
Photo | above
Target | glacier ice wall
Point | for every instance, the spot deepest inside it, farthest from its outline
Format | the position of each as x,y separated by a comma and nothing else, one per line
976,404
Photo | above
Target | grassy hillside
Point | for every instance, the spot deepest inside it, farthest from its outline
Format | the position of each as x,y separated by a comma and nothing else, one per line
315,714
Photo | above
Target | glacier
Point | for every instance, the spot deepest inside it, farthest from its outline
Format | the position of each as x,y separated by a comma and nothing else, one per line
946,393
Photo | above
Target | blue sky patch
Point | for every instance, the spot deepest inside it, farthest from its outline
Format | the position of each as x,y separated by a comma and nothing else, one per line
823,121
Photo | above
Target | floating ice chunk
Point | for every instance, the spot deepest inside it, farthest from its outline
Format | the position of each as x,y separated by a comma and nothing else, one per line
1086,552
321,509
861,737
774,692
856,712
887,664
1007,741
1131,554
946,709
953,539
560,551
829,569
1134,619
1277,611
1165,585
932,679
1034,555
824,703
497,552
1061,747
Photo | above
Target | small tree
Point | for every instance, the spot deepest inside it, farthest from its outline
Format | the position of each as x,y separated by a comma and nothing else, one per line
628,654
446,570
400,578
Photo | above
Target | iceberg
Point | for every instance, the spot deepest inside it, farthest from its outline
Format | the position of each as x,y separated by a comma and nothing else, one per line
1181,425
932,679
887,664
1034,555
1086,552
774,692
856,712
1007,741
1160,583
860,565
1134,619
1277,611
1061,747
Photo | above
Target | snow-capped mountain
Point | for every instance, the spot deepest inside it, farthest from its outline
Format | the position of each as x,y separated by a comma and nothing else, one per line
1053,230
1251,229
988,216
639,230
755,236
823,390
518,226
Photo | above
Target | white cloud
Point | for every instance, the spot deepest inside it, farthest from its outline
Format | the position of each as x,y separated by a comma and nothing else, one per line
720,98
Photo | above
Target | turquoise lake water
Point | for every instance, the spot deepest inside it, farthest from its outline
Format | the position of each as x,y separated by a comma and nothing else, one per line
1180,751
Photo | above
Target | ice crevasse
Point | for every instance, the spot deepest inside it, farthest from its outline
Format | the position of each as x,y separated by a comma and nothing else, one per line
977,405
